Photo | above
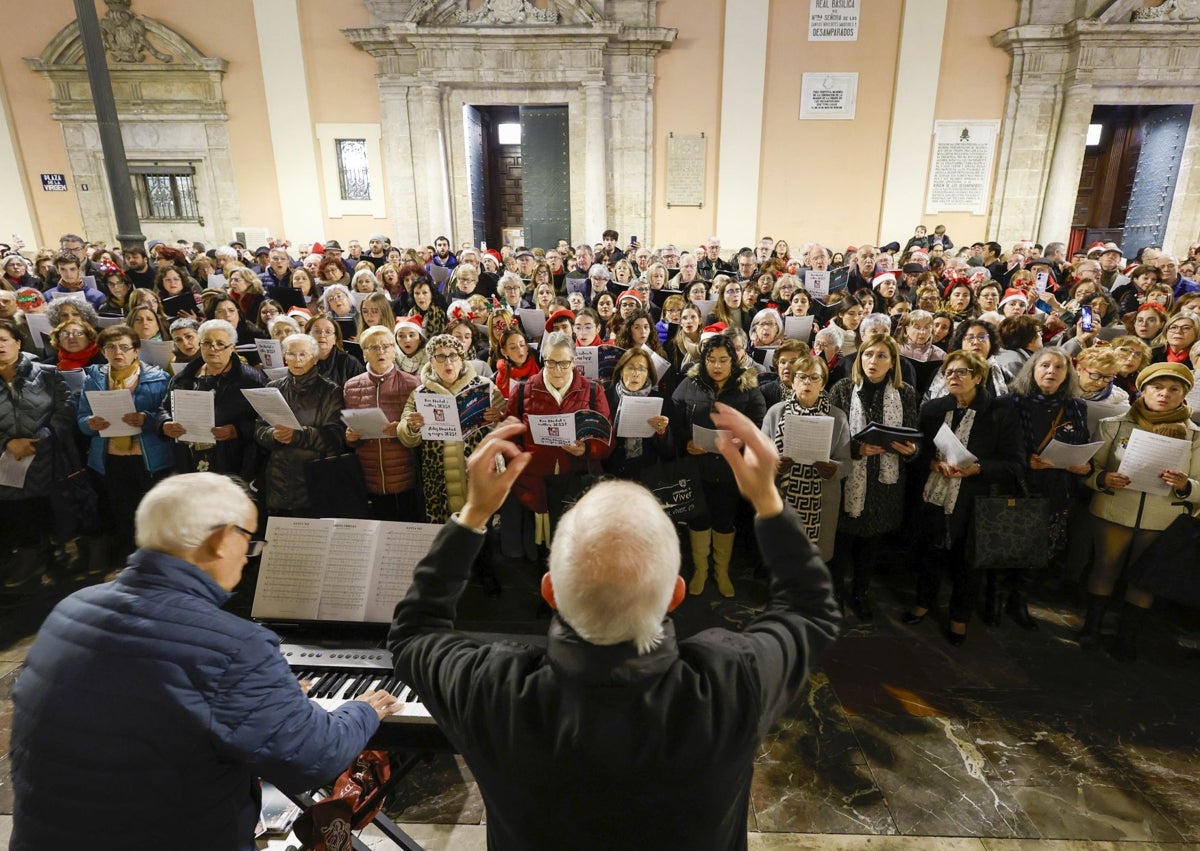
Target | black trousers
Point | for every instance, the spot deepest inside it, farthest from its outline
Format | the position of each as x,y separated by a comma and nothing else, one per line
856,556
399,507
964,582
722,501
125,481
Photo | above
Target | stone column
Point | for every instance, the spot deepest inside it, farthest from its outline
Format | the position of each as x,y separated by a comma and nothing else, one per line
1030,114
436,177
596,168
20,214
399,154
1183,227
1062,185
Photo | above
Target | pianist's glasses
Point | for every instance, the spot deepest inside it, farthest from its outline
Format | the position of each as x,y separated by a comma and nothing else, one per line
254,547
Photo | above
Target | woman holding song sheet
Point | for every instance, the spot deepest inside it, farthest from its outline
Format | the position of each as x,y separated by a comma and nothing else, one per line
1143,481
386,462
813,489
635,377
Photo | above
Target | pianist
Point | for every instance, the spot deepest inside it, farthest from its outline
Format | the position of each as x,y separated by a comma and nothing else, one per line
145,714
619,735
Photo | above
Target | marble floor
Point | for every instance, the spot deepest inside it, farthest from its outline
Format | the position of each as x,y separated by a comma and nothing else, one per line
1015,741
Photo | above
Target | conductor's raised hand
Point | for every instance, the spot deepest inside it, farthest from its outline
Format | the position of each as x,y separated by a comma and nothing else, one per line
752,457
491,471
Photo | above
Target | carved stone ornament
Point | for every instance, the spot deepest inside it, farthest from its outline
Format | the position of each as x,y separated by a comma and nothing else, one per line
1172,12
504,12
125,36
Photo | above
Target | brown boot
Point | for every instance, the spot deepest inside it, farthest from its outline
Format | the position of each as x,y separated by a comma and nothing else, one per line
701,542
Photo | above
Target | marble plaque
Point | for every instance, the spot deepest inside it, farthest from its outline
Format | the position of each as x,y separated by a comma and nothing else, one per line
961,175
685,170
828,95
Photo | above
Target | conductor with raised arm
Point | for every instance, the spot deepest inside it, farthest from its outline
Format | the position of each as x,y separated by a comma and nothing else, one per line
146,715
618,735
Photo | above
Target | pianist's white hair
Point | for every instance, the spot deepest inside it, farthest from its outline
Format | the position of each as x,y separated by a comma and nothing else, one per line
613,577
180,512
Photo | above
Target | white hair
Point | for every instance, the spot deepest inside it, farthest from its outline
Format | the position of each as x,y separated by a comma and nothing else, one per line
613,580
181,511
225,252
210,325
832,333
558,340
286,320
311,342
599,270
510,278
882,321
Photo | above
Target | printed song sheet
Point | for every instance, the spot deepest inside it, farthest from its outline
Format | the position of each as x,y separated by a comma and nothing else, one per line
344,587
441,416
1068,455
370,423
552,429
1147,455
270,353
1097,411
706,438
112,405
817,282
635,412
797,327
160,353
269,403
293,564
952,449
194,410
401,547
12,471
807,440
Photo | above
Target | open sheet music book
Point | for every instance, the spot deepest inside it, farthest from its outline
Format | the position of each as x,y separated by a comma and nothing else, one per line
344,570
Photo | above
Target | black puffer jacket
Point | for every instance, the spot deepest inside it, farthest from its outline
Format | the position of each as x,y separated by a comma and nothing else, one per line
693,402
236,457
37,404
317,404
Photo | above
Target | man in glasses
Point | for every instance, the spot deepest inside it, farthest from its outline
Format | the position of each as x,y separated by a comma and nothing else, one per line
179,706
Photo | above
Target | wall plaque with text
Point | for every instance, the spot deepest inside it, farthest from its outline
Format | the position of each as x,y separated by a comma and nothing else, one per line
685,170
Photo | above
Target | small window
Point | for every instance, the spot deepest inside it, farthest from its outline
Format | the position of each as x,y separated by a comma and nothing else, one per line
165,193
1093,134
509,134
353,171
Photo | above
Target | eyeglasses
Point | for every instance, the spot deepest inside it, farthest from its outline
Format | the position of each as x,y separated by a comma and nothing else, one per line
375,350
958,372
975,338
733,289
1099,376
73,335
113,350
804,378
320,335
214,346
559,364
254,546
637,370
454,357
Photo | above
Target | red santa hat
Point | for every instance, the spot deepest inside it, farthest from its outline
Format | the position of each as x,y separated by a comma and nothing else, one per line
1012,294
412,323
712,330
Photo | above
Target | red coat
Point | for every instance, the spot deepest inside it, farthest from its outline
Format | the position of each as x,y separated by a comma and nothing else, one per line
388,465
530,488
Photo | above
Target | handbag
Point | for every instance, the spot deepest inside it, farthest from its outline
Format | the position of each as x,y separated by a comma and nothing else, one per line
337,487
355,799
1010,532
676,485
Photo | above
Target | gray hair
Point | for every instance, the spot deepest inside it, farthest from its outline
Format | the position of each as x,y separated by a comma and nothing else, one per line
182,511
557,340
311,342
335,288
613,580
209,326
881,321
1025,385
510,278
364,273
832,333
183,323
55,307
599,270
225,252
286,320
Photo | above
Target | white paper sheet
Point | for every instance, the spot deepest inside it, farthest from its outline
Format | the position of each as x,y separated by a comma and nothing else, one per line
109,321
12,471
39,326
817,283
1193,397
112,405
552,429
706,438
160,353
74,379
1097,411
661,365
441,416
951,448
195,411
358,298
807,440
706,307
293,565
217,281
276,373
78,295
368,422
797,327
269,403
1147,455
270,353
635,411
533,321
1067,455
587,358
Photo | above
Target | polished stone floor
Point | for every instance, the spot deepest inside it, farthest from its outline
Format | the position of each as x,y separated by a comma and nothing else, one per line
1015,741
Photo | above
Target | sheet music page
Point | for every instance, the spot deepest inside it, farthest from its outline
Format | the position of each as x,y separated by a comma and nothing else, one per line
1097,411
952,448
1147,455
112,405
348,570
195,411
1068,455
533,321
706,438
269,403
807,440
39,326
797,327
160,353
12,471
216,281
368,422
401,546
292,568
635,411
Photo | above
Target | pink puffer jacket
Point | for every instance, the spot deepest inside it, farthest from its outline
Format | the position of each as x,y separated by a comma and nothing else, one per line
388,465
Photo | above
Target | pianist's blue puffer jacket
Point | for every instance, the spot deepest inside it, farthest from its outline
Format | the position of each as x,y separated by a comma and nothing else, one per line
145,716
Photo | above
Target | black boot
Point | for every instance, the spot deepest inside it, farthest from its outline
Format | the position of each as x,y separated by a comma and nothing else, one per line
992,601
1089,636
1125,647
860,604
24,568
1018,610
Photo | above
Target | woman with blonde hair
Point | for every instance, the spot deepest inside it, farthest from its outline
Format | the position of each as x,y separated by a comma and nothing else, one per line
375,311
728,309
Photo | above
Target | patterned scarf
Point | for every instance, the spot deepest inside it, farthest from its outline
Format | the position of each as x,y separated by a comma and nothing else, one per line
801,485
125,379
412,364
633,445
1166,423
940,490
889,463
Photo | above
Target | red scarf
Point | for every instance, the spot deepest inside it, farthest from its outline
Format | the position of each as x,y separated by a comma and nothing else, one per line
78,360
1176,357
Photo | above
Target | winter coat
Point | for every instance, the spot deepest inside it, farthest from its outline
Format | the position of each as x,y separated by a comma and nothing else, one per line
693,402
147,399
1130,508
884,507
387,463
444,462
37,405
660,447
186,706
667,739
532,397
340,367
317,404
237,456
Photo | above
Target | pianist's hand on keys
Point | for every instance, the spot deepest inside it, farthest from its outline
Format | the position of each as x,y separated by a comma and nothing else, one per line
382,702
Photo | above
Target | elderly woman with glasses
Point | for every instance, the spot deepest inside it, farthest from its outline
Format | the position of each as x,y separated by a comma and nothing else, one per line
127,465
1096,369
386,462
230,448
333,361
317,404
716,378
74,345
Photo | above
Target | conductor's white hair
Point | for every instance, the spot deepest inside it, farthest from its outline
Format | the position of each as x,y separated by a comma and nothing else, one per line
180,512
613,579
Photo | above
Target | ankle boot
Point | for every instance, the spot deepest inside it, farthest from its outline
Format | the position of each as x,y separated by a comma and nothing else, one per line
992,601
24,568
1018,610
1125,647
1089,636
701,542
722,553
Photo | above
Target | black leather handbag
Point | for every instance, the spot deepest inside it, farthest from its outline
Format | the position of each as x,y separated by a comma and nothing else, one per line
1010,532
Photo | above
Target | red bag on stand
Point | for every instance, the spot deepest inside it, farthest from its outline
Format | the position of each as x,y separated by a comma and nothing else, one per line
355,800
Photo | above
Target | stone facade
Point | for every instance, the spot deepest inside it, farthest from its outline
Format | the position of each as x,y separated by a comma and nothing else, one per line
435,57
